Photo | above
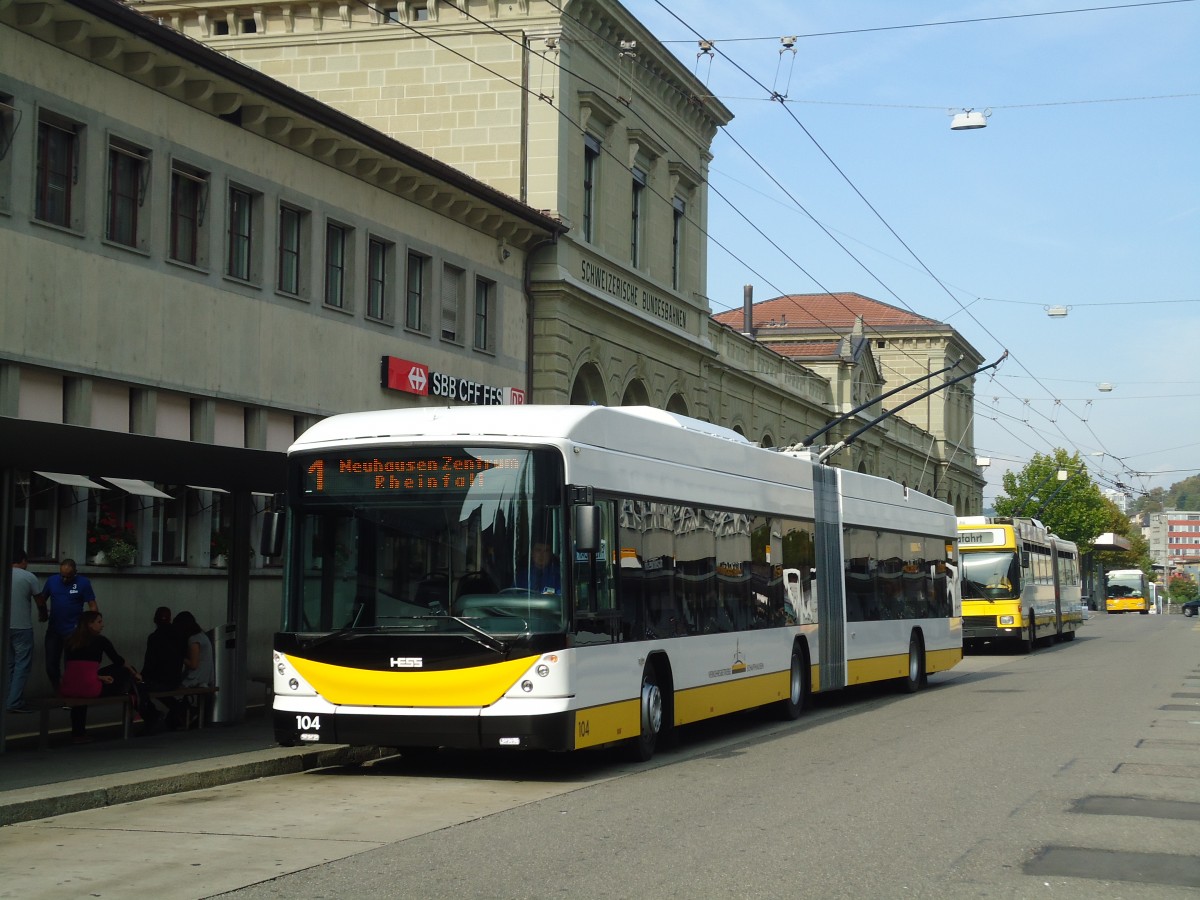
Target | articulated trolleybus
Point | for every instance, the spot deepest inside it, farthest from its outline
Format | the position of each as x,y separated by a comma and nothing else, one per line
563,577
1020,582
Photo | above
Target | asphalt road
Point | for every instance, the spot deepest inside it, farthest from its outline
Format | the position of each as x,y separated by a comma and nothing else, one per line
1073,772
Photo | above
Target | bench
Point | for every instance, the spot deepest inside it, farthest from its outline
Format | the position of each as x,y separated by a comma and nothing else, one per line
205,693
44,704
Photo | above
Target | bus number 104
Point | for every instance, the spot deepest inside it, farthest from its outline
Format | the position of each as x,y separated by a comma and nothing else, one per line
308,723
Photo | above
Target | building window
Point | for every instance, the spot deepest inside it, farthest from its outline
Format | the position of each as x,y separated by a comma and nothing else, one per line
379,260
591,167
414,299
8,127
241,233
189,202
36,515
293,225
485,314
335,265
57,172
128,177
168,540
635,225
677,220
452,279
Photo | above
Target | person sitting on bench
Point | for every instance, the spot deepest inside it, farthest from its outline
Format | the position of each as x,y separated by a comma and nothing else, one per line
83,677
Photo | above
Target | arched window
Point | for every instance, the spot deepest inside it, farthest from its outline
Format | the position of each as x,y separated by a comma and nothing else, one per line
588,388
636,394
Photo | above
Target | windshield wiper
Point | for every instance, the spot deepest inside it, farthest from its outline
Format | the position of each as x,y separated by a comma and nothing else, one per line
484,639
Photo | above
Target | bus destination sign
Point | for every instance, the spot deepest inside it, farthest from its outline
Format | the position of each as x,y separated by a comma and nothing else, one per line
982,537
399,472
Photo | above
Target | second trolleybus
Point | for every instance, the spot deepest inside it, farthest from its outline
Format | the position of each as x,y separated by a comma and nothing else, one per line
1127,590
564,577
1020,582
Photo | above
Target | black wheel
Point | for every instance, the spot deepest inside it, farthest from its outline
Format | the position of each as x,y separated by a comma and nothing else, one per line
916,666
792,708
642,747
1189,612
1068,636
1027,644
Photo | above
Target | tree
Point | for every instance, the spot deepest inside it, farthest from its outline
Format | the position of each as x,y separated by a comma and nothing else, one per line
1072,507
1181,589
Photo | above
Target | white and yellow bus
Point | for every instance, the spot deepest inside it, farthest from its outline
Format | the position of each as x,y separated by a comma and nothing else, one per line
1127,590
1020,582
563,577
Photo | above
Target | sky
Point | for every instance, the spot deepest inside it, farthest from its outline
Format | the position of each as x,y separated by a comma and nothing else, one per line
1082,192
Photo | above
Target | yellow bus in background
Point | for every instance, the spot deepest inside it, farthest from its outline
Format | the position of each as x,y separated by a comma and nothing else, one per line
1020,582
1127,590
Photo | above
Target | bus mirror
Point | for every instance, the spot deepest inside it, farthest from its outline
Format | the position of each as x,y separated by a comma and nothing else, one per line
587,528
271,541
1024,559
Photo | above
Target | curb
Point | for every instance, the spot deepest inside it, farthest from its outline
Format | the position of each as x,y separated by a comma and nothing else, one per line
74,797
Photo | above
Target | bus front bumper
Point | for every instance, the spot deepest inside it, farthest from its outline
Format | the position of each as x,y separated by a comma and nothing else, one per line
550,731
978,628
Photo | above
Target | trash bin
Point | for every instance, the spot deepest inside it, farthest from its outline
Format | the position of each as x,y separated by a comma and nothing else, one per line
224,642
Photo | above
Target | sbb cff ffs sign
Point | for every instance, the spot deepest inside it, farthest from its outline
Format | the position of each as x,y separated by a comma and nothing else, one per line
417,378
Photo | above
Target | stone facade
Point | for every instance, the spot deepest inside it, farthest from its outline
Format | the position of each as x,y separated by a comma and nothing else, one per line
578,110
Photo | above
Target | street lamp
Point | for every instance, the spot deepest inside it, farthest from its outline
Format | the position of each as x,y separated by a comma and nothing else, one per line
969,120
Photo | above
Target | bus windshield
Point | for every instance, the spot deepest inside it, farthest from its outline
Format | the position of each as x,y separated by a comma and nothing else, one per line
990,575
1126,586
427,539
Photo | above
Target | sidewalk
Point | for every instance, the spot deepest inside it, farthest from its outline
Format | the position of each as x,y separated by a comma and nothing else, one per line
69,777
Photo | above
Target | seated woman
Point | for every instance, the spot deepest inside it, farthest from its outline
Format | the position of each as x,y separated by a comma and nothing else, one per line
198,660
83,677
198,669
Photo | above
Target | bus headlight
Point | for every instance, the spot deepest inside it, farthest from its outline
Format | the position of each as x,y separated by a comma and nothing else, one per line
1006,620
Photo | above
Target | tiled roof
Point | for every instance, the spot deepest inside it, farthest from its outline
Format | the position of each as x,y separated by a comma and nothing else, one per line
825,311
806,349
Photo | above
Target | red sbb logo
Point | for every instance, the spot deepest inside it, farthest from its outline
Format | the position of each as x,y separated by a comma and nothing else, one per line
405,375
417,378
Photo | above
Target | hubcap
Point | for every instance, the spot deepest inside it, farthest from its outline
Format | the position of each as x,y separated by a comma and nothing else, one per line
651,709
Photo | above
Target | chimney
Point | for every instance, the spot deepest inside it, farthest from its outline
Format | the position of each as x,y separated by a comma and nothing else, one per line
748,311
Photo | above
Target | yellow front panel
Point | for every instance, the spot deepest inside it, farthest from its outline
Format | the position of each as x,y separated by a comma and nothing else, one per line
472,687
994,608
730,696
1126,604
608,723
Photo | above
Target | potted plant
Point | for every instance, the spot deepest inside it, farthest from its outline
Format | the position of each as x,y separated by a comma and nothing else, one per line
111,538
218,549
121,553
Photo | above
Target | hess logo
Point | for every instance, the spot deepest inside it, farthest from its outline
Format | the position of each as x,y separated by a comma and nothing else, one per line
407,662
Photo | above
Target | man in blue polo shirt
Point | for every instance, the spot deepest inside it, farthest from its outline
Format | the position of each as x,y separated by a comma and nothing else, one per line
69,594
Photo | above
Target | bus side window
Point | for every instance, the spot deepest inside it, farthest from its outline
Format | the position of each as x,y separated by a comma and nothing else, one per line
595,601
